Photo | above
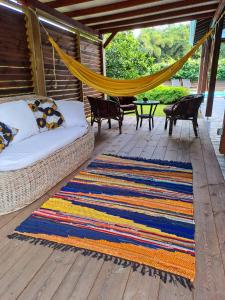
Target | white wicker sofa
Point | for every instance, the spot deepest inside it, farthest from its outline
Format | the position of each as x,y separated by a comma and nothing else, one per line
20,187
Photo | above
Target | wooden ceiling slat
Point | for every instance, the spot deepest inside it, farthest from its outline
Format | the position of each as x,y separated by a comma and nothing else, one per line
61,3
210,8
148,10
157,23
45,8
108,7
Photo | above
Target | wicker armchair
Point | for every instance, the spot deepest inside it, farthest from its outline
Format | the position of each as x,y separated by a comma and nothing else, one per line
185,109
105,110
127,105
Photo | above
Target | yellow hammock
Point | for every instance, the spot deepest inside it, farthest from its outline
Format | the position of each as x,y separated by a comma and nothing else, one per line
122,87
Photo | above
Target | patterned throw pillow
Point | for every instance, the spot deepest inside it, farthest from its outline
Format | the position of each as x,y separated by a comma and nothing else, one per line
6,135
46,114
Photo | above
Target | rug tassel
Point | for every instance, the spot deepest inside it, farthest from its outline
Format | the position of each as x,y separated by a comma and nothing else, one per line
143,269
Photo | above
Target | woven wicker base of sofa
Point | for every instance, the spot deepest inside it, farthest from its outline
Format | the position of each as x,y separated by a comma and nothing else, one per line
21,187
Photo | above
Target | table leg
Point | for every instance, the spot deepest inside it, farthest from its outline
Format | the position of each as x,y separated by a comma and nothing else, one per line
141,114
137,117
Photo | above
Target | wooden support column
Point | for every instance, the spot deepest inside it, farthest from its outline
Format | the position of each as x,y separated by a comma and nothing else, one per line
215,58
222,141
200,78
204,85
36,55
204,66
77,45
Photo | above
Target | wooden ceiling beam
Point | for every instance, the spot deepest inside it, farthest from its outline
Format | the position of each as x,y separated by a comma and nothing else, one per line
218,12
208,9
148,10
108,7
157,23
61,3
109,39
46,9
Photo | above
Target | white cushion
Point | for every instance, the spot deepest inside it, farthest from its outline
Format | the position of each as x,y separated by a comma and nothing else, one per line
37,147
73,112
17,114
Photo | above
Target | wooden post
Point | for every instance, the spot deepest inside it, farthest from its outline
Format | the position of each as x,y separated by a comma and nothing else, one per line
222,141
204,84
77,44
201,69
36,55
215,57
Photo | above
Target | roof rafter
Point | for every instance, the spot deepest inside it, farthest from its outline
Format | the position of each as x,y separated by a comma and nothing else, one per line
210,8
147,10
107,7
60,3
218,12
157,23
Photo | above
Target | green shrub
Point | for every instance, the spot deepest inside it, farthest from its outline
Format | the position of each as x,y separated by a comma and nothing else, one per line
165,94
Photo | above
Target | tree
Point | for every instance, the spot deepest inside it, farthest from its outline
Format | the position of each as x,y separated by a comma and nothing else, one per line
125,58
129,57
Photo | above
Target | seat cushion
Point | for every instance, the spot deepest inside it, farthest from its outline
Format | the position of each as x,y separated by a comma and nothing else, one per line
18,115
168,109
37,147
73,112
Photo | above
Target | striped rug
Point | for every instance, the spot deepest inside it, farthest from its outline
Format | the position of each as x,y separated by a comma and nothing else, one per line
135,212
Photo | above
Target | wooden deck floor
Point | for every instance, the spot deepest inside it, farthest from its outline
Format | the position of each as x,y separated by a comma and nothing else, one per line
37,272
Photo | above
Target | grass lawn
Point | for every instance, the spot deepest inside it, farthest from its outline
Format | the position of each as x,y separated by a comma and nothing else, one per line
159,111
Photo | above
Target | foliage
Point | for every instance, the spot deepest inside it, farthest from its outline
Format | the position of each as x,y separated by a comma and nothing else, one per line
221,70
130,57
125,59
165,94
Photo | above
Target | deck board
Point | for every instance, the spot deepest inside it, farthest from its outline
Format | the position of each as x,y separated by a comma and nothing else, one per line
37,272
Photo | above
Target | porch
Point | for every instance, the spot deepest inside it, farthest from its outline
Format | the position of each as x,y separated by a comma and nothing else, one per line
37,272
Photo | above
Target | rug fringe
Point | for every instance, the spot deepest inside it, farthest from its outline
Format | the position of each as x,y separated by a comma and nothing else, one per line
157,161
136,267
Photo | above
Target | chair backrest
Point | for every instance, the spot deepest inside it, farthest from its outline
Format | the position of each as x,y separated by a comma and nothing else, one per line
188,106
103,108
127,100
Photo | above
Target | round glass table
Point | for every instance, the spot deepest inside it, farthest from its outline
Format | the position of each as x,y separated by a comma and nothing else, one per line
141,115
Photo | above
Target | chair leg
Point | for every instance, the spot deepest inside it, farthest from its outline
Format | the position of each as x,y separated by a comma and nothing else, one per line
175,122
171,127
137,122
92,120
195,126
141,122
109,122
120,126
166,123
99,126
149,123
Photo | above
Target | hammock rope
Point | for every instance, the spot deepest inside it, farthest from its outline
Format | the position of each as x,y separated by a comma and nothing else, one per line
123,87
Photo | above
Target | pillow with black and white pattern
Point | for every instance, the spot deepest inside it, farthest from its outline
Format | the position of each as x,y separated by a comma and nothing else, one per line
7,134
46,113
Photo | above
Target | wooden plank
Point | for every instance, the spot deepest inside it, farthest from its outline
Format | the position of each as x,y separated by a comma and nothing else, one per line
106,8
60,3
155,17
62,17
158,23
145,11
